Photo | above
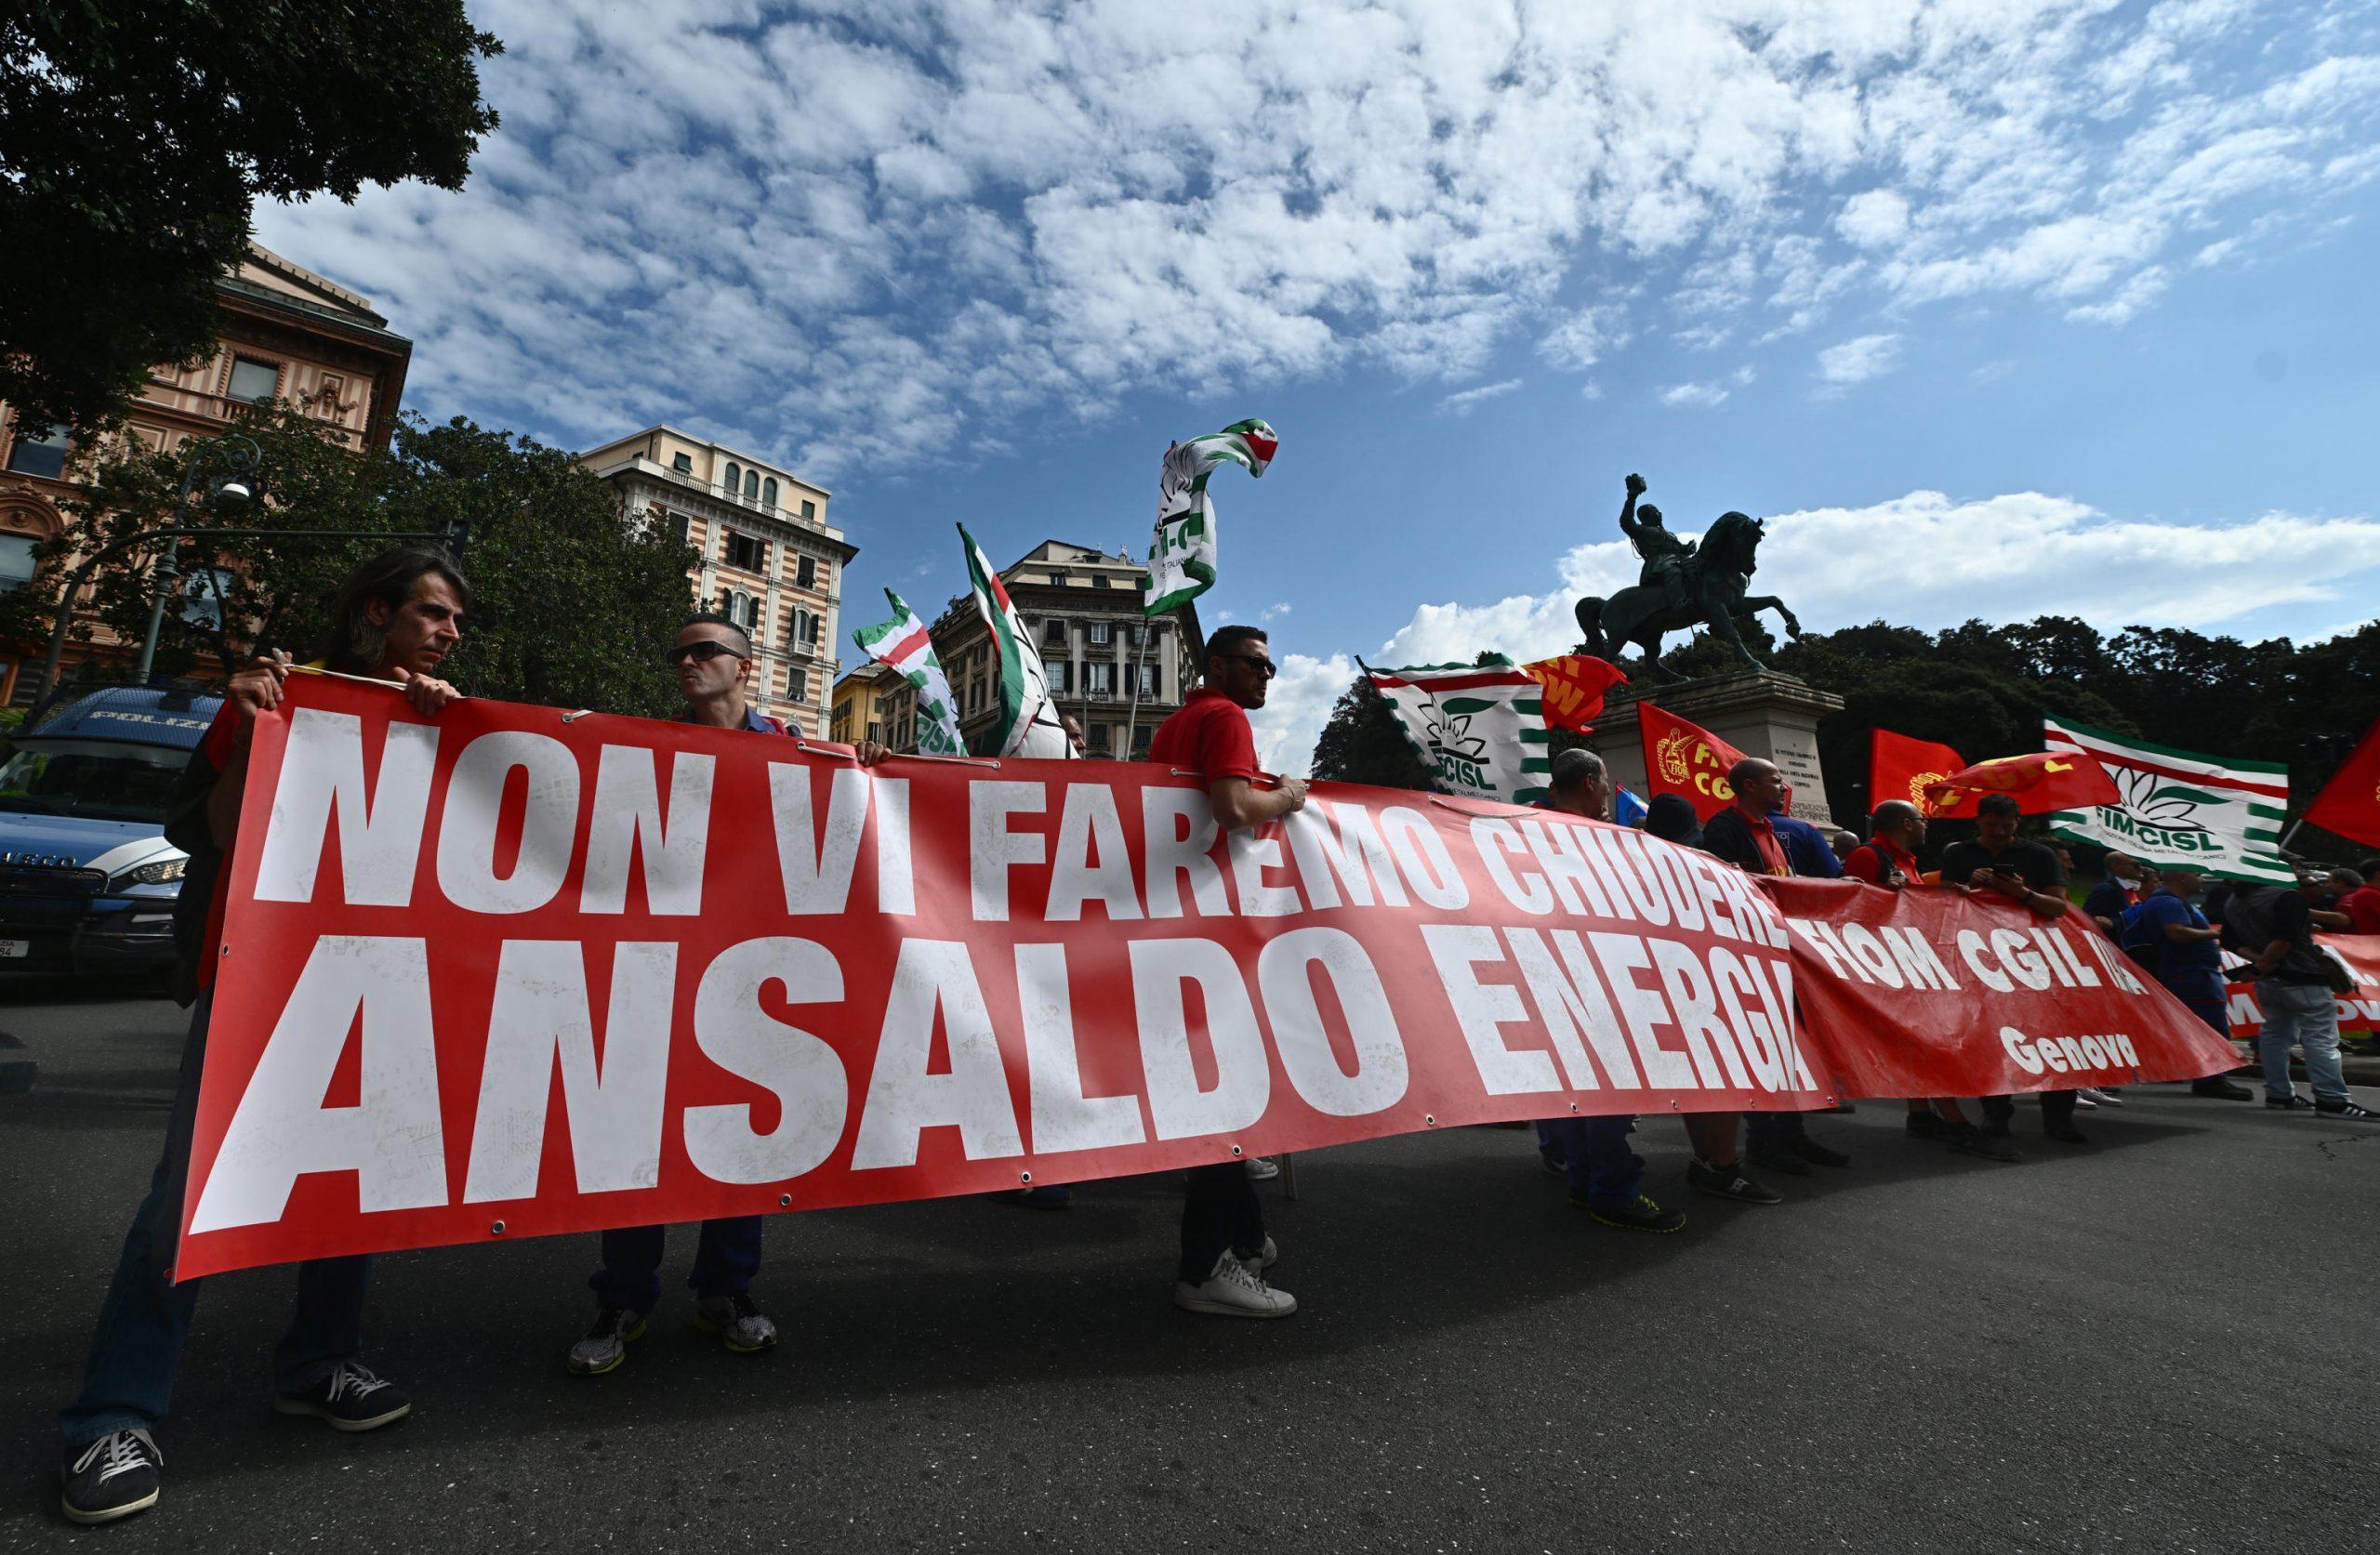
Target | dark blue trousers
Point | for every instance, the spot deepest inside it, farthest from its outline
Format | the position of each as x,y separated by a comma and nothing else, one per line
1594,1149
1219,1210
725,1260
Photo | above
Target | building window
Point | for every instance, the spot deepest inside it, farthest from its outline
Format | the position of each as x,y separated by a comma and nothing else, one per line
1053,634
747,552
876,732
682,526
809,512
734,477
1060,672
1059,576
1142,734
16,561
752,485
1099,580
253,381
1148,682
1101,633
203,594
1131,634
43,454
805,573
803,629
682,462
796,684
1098,680
768,492
1098,733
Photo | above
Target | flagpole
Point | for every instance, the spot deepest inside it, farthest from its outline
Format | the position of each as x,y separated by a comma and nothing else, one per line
1133,709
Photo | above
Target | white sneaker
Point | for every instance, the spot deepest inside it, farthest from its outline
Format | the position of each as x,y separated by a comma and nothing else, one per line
1263,1168
1263,1258
1234,1290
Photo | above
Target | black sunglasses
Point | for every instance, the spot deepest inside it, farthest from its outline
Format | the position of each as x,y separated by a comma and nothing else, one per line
702,652
1266,666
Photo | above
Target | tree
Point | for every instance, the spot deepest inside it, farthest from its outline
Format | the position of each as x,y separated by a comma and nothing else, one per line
572,605
1363,743
136,135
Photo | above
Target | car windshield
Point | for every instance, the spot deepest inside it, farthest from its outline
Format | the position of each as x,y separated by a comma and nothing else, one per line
100,779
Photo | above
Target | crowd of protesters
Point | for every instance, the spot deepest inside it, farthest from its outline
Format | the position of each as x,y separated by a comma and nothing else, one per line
399,616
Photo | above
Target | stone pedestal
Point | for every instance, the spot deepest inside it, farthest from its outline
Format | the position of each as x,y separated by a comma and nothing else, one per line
1760,713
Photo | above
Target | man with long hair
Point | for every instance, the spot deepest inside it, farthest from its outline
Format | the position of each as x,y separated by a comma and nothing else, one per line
396,619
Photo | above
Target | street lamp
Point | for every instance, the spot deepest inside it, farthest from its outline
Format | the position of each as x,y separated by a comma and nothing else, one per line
237,458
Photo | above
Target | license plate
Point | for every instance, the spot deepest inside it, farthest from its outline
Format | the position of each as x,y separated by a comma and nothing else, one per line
11,948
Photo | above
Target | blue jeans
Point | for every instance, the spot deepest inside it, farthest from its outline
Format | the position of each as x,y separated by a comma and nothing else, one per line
144,1320
725,1260
1594,1153
2307,1014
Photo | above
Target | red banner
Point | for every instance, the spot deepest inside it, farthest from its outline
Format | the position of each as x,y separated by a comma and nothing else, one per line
1926,992
510,972
1899,768
2358,1010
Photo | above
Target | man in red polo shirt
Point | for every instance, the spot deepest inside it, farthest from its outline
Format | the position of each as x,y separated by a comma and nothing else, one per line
1224,1250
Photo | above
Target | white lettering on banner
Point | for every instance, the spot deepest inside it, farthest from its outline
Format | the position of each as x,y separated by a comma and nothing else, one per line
1284,970
1065,1116
1178,1106
1179,826
2113,961
1493,839
2067,1055
1626,851
1572,1005
1919,965
2061,955
1481,1007
2022,962
1776,979
391,1140
1088,824
992,849
321,773
815,861
904,1098
612,1103
1572,866
1251,853
896,884
1972,948
1695,1009
467,828
1422,856
626,820
801,1070
2020,1048
1340,850
1875,962
1621,957
1762,1041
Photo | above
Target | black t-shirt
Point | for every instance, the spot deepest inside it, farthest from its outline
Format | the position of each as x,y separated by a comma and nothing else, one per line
2030,862
2260,915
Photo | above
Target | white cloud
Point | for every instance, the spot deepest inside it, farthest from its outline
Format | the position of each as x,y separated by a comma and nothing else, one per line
1471,399
2135,294
1296,707
1874,219
1694,396
1856,361
1273,612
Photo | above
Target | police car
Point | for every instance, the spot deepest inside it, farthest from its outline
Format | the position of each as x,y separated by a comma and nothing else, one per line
87,880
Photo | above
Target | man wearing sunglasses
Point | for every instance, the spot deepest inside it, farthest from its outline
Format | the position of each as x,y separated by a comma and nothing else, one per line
1224,1250
712,660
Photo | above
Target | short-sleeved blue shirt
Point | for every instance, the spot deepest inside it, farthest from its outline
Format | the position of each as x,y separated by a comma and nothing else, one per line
2178,961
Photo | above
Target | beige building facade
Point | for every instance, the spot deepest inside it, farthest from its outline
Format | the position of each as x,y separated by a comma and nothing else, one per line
1083,607
286,334
769,560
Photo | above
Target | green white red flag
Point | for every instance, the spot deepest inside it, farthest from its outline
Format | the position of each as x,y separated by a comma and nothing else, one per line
1183,556
2217,814
1026,722
903,644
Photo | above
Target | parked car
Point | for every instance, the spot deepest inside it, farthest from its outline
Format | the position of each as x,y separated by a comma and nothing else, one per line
87,880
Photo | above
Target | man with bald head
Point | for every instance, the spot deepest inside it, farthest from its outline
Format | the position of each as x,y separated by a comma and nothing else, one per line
2169,935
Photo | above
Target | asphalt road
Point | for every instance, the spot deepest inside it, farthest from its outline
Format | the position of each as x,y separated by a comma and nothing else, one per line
2165,1341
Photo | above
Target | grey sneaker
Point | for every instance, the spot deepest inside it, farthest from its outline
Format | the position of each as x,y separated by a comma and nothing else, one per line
741,1326
1234,1290
606,1344
113,1477
1263,1168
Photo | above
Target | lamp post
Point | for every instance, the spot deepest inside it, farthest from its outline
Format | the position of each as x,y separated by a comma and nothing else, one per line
237,458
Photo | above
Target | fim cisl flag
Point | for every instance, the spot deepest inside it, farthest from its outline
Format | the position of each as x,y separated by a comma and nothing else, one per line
1480,729
2178,806
1183,554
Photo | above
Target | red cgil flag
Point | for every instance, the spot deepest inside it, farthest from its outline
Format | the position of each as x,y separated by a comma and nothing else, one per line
1575,687
2350,803
2042,782
1682,758
1899,768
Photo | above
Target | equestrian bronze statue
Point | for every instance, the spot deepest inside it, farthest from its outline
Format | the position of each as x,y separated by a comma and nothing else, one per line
1682,586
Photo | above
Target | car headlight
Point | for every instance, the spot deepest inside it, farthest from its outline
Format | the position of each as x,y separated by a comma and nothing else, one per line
163,873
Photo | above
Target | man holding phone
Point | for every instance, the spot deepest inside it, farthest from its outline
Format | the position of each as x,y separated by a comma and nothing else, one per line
2001,863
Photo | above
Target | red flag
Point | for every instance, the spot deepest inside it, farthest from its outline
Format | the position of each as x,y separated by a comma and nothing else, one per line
1681,758
1899,768
2350,803
1575,686
2042,782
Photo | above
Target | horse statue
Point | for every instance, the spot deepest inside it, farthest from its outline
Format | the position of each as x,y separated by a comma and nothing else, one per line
1684,586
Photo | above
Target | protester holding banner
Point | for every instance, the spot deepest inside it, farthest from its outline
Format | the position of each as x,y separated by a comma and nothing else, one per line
2361,904
2120,890
1224,1248
396,618
2028,873
2180,946
2297,993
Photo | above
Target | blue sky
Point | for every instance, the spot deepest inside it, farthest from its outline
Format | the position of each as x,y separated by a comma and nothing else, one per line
1991,308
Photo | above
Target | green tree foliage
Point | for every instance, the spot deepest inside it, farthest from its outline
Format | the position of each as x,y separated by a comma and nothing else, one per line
135,136
572,606
1362,743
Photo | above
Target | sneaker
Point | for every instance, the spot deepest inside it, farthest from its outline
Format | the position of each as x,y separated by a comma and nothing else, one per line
349,1399
1975,1142
2066,1133
1927,1124
1259,1258
2222,1090
2295,1103
1057,1195
1785,1163
2099,1096
606,1344
1554,1166
1811,1150
2347,1111
1263,1168
1729,1182
741,1326
113,1477
1234,1290
1642,1215
2083,1102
